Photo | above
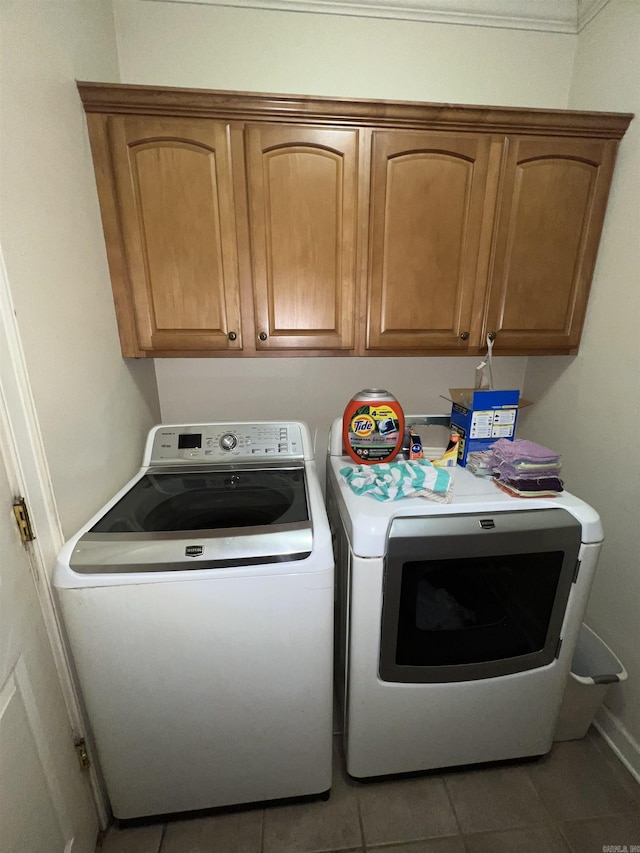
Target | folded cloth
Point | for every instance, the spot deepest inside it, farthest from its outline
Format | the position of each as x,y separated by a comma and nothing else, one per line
479,462
522,452
525,472
531,484
390,481
517,493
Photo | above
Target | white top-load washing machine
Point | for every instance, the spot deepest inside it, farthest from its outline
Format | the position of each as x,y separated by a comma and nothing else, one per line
458,620
198,606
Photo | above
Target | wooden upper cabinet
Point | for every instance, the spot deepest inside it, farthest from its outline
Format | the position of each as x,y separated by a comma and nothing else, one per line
302,204
174,191
245,224
428,219
549,218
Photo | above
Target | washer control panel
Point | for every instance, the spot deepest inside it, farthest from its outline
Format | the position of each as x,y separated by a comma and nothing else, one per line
211,443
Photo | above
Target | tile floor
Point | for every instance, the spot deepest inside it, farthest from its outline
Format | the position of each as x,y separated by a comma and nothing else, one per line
578,798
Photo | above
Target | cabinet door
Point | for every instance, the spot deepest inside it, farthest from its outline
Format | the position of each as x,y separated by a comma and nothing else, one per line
173,180
428,201
302,194
549,219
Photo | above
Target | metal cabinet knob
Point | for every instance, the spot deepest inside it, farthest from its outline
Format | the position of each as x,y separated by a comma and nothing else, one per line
232,336
464,336
263,336
492,336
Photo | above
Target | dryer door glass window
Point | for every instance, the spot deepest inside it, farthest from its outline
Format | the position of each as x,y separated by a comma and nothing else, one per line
469,605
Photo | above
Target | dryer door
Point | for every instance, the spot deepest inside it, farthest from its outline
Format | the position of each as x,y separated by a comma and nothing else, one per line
470,596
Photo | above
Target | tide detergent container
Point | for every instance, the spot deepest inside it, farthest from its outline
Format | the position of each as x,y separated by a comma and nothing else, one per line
372,426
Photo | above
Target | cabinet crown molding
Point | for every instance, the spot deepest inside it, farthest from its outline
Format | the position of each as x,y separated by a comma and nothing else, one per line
123,99
556,16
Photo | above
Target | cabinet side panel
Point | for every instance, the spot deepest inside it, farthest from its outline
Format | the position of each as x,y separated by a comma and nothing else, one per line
98,127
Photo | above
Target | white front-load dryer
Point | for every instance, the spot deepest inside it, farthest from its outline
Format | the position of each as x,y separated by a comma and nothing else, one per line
457,621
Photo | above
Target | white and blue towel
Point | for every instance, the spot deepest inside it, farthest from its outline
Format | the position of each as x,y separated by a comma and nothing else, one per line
390,481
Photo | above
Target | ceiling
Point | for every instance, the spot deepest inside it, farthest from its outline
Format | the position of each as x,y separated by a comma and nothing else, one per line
557,16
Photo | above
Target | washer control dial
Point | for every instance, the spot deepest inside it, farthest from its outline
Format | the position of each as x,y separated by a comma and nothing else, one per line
228,441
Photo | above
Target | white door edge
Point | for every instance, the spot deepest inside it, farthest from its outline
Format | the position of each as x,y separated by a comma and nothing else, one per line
28,475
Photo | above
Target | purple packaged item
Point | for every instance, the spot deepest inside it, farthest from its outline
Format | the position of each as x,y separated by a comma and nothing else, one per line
532,484
507,471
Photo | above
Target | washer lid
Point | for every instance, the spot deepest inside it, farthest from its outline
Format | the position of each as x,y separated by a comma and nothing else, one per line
171,519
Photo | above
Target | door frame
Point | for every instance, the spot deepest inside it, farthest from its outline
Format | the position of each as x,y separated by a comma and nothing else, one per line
28,474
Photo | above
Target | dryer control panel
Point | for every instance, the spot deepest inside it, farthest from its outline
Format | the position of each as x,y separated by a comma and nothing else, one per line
224,442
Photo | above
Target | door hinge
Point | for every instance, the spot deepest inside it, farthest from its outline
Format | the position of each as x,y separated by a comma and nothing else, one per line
23,521
81,751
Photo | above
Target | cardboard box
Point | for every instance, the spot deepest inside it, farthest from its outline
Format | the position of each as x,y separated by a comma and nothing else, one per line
482,417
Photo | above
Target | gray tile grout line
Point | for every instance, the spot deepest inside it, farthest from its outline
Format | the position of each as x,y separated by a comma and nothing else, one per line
162,835
360,821
453,808
564,837
538,794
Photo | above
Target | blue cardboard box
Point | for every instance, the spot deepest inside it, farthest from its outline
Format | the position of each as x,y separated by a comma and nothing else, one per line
482,417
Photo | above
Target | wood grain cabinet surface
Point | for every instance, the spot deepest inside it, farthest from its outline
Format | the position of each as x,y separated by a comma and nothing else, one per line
173,189
302,198
427,211
240,224
548,223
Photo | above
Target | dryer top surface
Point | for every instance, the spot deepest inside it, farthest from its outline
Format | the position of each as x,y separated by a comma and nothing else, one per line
367,520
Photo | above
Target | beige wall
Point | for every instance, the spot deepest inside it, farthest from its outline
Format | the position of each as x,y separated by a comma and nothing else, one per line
93,408
315,390
246,49
189,44
588,407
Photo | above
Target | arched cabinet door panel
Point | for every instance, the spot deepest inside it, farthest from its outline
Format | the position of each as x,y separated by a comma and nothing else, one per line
302,186
246,224
428,218
175,196
549,219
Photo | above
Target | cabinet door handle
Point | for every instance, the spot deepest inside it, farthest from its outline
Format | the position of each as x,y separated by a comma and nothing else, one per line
232,336
492,336
464,336
263,336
